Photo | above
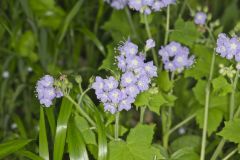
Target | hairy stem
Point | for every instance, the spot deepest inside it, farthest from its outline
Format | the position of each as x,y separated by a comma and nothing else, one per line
116,131
150,36
142,112
232,99
230,154
167,26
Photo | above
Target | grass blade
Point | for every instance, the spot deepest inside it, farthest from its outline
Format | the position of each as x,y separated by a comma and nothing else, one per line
102,136
62,123
93,38
29,155
76,144
51,120
43,142
69,18
12,146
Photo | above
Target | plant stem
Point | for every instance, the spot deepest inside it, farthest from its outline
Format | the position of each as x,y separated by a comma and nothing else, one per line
116,125
218,149
142,111
207,92
80,110
232,99
167,26
150,36
130,21
230,154
231,116
182,123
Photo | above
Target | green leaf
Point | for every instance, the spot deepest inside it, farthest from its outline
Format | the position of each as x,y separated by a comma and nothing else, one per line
43,142
138,145
94,39
156,101
221,87
69,18
142,99
231,131
215,117
20,126
51,120
191,141
84,127
29,155
76,145
185,154
164,82
12,146
62,124
184,32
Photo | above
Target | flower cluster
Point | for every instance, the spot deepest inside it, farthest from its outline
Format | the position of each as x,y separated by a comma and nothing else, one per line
200,18
147,6
228,47
46,91
117,4
175,57
117,95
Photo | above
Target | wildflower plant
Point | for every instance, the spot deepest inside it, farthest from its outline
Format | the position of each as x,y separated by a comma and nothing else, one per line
170,91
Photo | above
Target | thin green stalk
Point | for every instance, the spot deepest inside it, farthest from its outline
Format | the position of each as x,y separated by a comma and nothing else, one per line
116,125
80,110
218,149
155,59
230,154
182,123
231,116
130,21
167,26
232,99
207,93
142,112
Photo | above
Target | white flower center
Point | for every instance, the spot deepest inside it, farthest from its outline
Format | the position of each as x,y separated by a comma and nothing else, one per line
128,80
233,46
180,59
174,48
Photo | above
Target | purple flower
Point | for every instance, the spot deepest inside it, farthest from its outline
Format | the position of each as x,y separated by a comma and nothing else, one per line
150,43
128,49
46,91
126,104
150,69
175,57
132,90
148,2
110,107
115,96
117,4
134,62
103,96
135,4
121,63
143,83
200,18
228,47
110,84
127,79
98,85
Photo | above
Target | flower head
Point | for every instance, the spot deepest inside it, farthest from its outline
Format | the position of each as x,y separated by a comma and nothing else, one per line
175,57
117,4
200,18
46,92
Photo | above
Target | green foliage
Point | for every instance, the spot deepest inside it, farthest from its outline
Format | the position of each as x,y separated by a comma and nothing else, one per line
185,153
191,141
221,87
231,131
137,146
43,142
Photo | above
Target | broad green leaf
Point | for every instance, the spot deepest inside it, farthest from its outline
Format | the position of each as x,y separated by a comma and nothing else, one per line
185,154
138,145
231,131
29,155
43,142
87,133
69,18
94,39
221,87
142,99
191,141
109,62
76,145
12,146
215,117
184,32
156,101
164,82
62,125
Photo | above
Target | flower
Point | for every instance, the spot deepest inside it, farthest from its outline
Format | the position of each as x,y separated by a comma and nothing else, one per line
117,4
200,18
118,95
175,57
46,91
150,43
228,47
